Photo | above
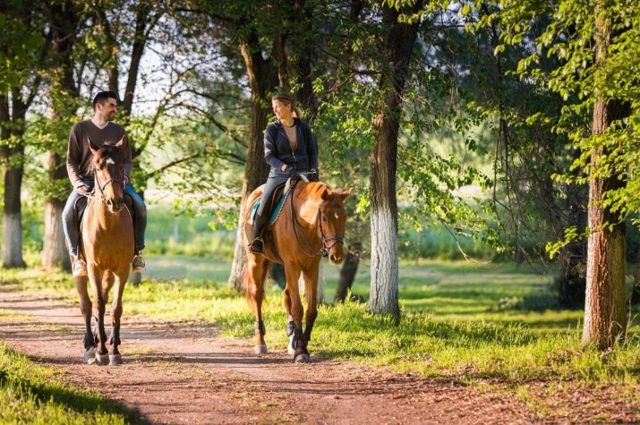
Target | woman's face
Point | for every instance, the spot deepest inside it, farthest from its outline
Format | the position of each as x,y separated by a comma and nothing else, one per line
281,109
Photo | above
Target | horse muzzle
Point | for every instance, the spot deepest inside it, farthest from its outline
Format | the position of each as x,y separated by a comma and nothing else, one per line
336,254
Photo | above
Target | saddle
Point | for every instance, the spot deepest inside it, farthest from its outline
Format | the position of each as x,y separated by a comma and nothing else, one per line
81,206
276,203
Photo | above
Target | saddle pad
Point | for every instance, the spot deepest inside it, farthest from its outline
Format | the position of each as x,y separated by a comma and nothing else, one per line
276,210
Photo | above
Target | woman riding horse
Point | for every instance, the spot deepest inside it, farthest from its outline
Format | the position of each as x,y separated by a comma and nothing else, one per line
289,147
310,225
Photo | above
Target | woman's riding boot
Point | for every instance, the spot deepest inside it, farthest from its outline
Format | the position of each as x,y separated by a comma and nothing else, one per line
257,245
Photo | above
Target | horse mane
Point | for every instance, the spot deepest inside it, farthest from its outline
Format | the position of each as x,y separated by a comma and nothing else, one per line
318,189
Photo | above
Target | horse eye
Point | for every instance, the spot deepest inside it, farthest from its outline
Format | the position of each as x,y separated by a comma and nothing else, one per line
324,218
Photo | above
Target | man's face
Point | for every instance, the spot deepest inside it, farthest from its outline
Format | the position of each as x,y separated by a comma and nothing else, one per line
107,109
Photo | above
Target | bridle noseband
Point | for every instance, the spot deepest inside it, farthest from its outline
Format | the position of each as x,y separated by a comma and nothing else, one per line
332,241
101,187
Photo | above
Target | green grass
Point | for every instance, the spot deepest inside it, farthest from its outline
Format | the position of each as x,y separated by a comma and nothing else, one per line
30,394
455,324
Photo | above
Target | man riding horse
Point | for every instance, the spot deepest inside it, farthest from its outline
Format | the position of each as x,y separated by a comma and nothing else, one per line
99,131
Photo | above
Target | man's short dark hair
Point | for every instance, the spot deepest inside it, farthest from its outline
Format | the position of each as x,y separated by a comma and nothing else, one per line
103,96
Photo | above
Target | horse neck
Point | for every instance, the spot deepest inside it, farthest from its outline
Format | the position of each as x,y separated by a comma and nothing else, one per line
307,212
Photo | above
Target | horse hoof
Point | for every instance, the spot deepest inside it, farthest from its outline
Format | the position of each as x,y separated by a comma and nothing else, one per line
102,359
260,349
89,356
115,359
301,358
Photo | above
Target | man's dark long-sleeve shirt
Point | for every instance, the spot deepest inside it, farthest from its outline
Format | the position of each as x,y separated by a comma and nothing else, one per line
79,154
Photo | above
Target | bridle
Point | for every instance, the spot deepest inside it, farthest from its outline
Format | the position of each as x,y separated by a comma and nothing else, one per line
327,242
331,241
101,187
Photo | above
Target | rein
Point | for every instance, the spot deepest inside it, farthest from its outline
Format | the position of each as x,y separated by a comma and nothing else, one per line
101,188
324,250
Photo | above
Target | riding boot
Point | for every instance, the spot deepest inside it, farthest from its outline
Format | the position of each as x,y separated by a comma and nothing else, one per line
259,224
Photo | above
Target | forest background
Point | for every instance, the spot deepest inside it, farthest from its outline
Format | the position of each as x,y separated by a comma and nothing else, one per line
485,131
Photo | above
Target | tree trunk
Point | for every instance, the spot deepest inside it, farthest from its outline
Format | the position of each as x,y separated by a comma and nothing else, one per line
635,292
572,281
348,273
263,79
399,42
54,252
12,219
13,172
605,317
239,254
276,273
64,22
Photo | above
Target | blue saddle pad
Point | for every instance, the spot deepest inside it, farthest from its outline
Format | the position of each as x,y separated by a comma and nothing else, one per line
276,211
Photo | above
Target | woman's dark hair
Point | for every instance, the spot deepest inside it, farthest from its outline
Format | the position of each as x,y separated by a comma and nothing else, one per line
103,96
288,99
284,97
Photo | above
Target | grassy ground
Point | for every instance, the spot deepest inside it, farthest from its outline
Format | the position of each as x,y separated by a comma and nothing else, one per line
30,394
460,320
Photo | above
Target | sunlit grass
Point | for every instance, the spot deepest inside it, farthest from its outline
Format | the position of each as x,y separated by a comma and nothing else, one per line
455,323
30,394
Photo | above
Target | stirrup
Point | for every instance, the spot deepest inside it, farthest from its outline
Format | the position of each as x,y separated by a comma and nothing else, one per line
138,263
78,267
257,246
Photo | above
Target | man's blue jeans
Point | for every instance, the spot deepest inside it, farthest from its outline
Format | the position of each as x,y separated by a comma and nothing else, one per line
71,226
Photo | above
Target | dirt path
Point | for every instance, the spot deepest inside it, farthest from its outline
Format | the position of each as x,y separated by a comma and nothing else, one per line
181,373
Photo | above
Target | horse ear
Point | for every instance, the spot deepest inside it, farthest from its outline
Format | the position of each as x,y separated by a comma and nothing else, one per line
120,142
344,193
325,194
93,148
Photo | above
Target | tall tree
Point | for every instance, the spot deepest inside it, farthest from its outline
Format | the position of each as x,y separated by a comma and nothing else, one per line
22,47
64,21
606,310
263,32
596,46
398,46
262,76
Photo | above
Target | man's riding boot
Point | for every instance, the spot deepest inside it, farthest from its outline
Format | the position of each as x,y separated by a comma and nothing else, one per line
259,224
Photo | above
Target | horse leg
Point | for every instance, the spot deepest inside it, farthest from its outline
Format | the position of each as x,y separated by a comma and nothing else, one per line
310,278
85,309
300,355
257,268
291,326
116,314
98,312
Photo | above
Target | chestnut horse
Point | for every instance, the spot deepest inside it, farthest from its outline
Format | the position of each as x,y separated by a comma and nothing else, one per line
108,248
311,223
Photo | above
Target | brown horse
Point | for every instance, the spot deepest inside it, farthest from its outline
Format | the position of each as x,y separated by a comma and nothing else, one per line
108,247
312,223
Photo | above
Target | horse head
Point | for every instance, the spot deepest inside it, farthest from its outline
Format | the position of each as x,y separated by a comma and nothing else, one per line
332,219
109,174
